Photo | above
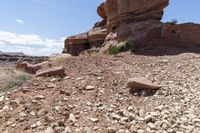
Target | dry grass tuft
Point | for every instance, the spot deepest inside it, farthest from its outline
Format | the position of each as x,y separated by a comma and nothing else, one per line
11,79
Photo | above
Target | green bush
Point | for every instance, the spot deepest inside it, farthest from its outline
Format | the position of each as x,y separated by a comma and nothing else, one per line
122,47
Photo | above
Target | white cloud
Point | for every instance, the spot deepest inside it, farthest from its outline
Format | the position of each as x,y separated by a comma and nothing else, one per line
20,21
29,44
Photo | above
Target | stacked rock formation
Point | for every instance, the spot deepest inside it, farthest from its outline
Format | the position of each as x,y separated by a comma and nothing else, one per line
92,39
137,21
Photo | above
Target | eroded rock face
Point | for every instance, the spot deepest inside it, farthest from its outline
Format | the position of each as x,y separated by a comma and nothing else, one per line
181,35
101,11
30,68
124,11
94,38
137,21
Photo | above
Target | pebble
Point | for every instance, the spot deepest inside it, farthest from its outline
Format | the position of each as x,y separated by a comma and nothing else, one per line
130,108
94,120
111,130
151,126
32,113
39,97
140,131
22,114
72,118
1,98
5,108
67,130
49,130
116,117
89,87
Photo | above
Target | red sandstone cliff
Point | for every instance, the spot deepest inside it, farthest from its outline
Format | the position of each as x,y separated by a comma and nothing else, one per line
135,20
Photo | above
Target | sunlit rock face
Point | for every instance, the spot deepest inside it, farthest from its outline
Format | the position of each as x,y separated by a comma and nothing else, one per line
137,21
126,11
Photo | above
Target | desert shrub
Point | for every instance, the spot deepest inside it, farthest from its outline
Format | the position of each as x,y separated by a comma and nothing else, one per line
174,21
12,80
122,47
117,48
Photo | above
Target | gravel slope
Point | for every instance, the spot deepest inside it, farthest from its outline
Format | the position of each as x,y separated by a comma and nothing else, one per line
93,97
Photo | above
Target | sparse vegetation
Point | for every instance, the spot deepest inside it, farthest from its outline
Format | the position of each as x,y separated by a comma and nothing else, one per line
174,21
123,46
11,79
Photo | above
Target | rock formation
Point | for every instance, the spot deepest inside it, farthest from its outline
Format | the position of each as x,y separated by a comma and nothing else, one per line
92,39
30,68
137,21
11,57
126,11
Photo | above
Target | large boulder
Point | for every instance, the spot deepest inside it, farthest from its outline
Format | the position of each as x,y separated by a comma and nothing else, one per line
30,68
141,83
124,11
52,72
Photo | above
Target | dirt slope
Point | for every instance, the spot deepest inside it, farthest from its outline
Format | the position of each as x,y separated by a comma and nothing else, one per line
93,97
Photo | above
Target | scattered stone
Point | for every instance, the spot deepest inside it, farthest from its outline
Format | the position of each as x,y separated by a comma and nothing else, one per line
5,108
87,130
32,113
124,119
141,83
149,118
159,108
140,131
39,97
22,114
52,72
34,126
141,112
49,130
116,117
1,98
67,130
89,87
94,120
111,130
130,108
72,118
25,89
151,126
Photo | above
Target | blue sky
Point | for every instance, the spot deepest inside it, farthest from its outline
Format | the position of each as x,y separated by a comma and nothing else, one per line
38,27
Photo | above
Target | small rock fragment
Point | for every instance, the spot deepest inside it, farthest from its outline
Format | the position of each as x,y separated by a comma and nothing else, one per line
39,97
94,120
49,130
89,87
141,83
72,118
1,98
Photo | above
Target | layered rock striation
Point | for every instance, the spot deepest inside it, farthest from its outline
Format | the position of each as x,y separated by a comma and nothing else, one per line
137,21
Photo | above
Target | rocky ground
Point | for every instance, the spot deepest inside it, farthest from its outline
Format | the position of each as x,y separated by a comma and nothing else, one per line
93,97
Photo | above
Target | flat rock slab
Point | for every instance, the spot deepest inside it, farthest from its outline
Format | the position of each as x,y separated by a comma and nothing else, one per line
141,83
52,72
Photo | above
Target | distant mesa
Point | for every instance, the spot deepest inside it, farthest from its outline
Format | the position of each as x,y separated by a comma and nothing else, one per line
13,57
137,21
